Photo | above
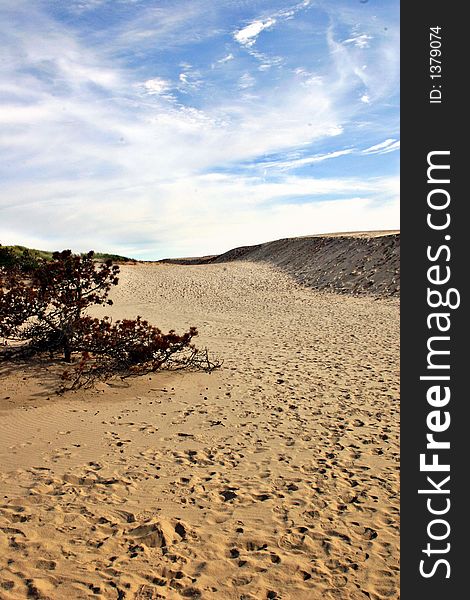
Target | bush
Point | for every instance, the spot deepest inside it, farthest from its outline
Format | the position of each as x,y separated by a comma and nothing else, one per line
44,305
42,309
7,257
23,258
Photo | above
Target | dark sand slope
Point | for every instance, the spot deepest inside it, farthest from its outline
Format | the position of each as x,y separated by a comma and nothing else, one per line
275,477
344,263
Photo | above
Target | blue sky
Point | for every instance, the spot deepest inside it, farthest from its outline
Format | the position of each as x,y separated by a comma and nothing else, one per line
187,127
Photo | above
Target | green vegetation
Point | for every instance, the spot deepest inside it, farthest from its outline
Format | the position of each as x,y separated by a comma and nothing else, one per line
28,258
21,256
114,257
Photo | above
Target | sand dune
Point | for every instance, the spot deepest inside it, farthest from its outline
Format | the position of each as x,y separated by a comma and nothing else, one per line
352,263
273,477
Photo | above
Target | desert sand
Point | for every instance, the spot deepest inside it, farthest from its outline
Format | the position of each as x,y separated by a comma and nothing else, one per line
276,476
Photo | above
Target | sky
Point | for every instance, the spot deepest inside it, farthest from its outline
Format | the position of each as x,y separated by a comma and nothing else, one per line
158,128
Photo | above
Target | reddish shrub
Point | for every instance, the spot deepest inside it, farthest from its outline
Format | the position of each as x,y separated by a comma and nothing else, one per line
43,309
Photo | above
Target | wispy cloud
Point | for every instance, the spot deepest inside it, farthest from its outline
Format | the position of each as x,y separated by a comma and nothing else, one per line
248,35
123,128
190,79
288,165
246,81
225,59
384,147
192,215
157,86
360,41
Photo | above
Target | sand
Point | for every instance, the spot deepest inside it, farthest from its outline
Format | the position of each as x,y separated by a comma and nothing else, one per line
359,263
274,477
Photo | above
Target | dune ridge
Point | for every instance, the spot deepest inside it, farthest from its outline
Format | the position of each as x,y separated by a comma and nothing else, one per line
354,263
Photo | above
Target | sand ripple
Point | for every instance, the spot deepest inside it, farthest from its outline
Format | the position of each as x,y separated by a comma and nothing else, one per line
274,477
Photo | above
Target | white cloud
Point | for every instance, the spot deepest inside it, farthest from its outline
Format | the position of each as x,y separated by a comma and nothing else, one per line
360,41
164,25
246,81
365,98
190,79
247,36
191,216
225,59
156,86
381,77
85,5
392,147
384,147
287,165
93,150
313,80
266,61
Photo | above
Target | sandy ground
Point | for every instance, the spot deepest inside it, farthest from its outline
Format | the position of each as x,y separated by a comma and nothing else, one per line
358,263
273,477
